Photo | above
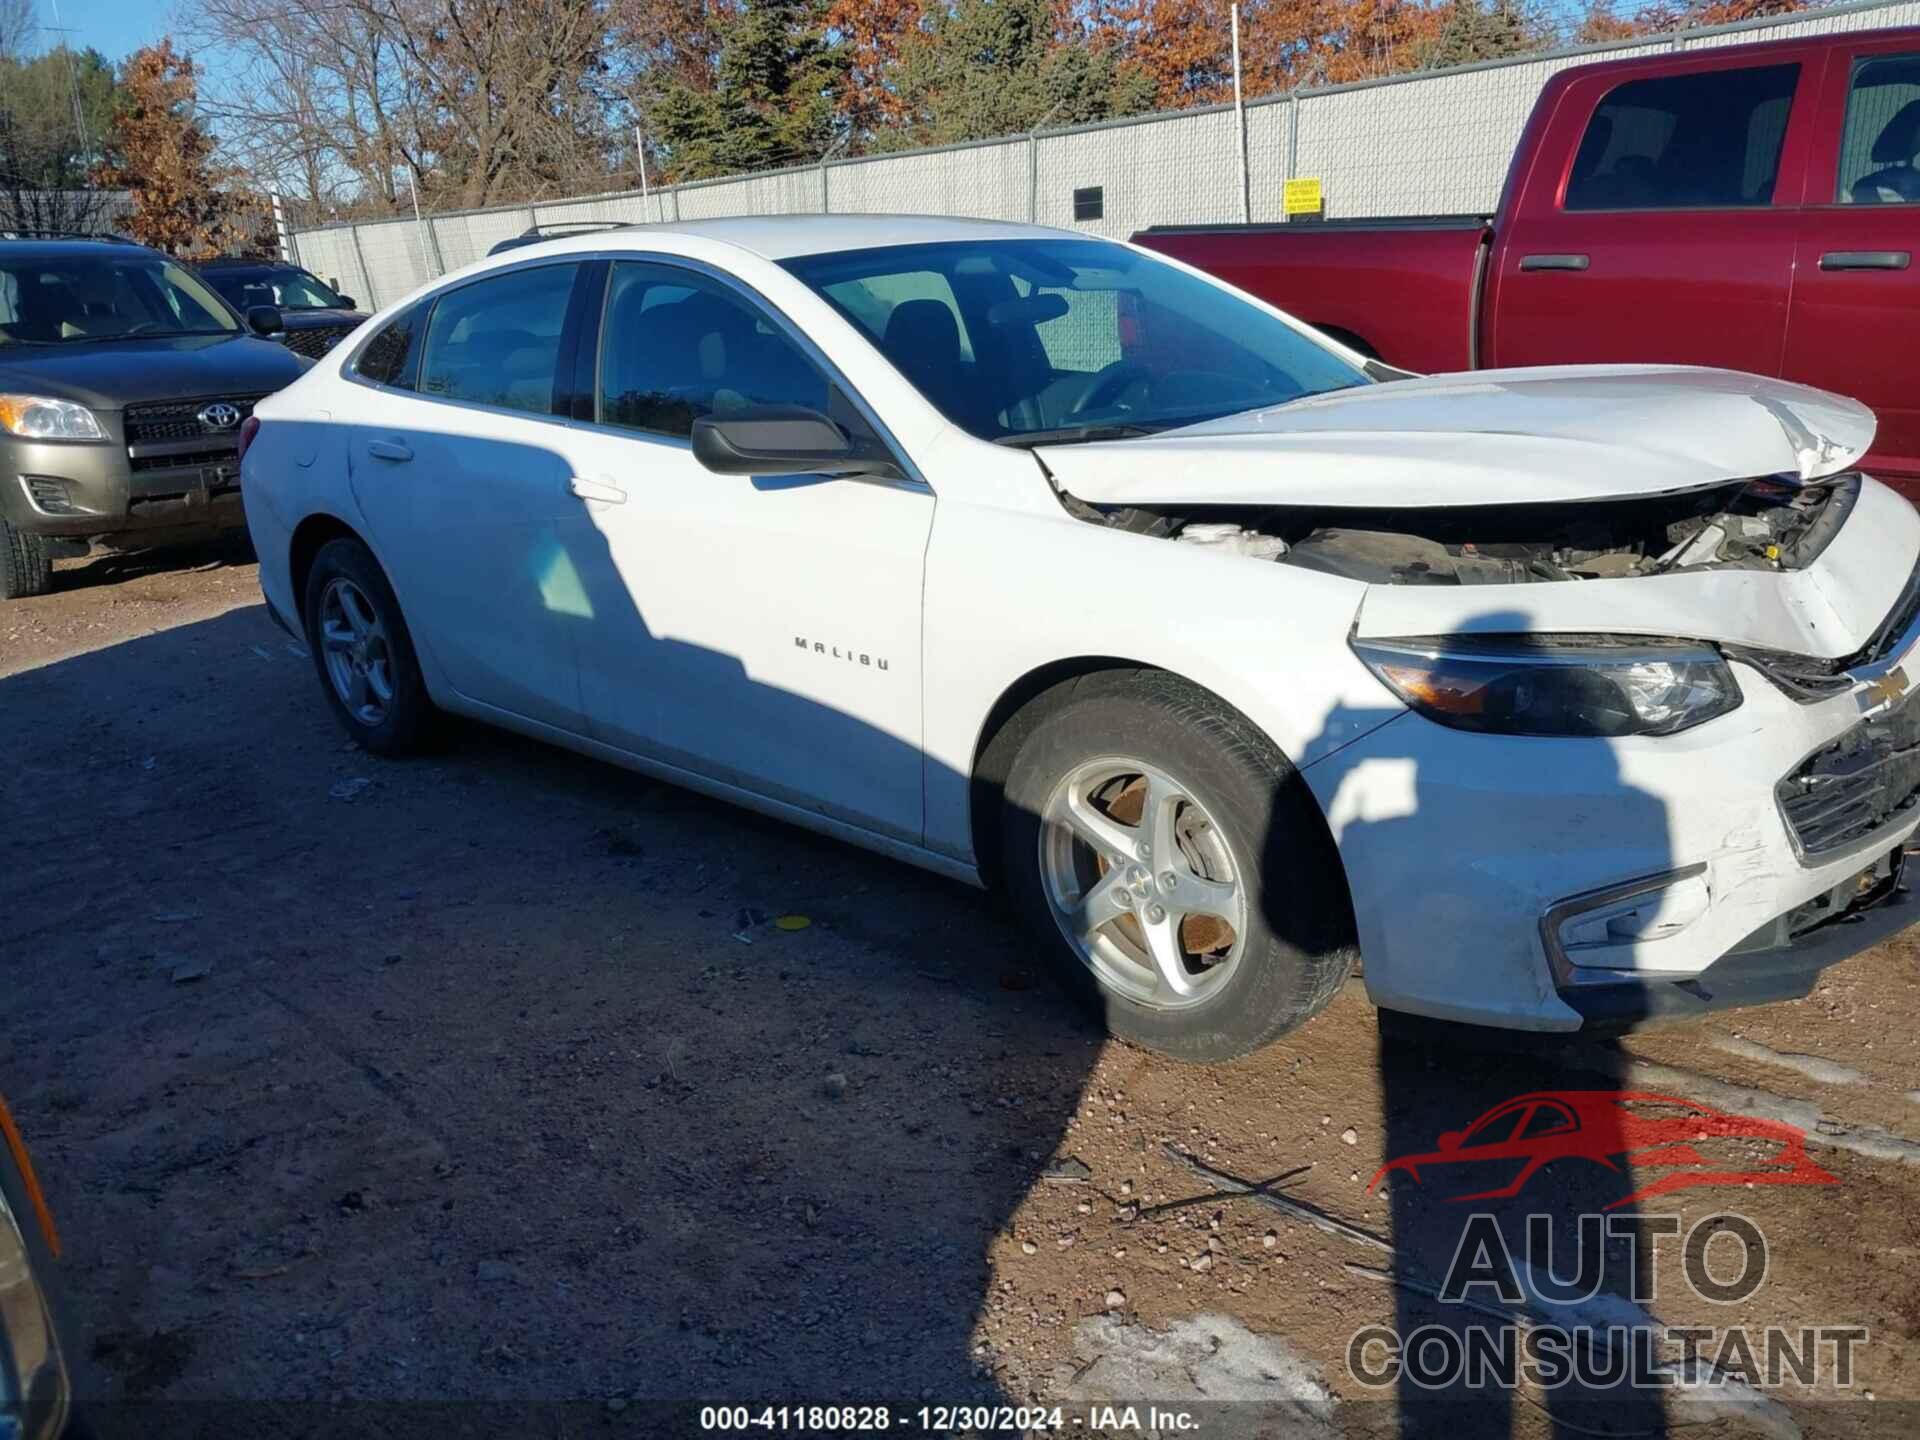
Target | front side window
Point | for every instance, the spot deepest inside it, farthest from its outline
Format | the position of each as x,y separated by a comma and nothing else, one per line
1881,139
76,298
676,346
497,341
1684,142
1024,340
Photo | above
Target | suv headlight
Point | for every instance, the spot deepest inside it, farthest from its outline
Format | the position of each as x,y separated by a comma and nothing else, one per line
39,417
1555,685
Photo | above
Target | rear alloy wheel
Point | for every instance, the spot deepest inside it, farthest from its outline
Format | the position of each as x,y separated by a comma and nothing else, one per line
1176,862
26,569
363,651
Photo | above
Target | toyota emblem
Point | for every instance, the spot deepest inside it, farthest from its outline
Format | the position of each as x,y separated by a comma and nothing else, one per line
219,416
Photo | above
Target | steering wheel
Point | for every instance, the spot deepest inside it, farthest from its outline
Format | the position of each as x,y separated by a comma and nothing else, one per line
139,325
1108,384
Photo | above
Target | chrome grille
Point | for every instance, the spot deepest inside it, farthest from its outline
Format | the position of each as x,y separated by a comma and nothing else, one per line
169,436
1866,779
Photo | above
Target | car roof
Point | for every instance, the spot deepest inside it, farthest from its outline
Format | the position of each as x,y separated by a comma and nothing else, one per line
43,248
783,237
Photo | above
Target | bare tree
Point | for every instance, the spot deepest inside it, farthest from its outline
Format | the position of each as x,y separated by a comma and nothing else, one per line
18,23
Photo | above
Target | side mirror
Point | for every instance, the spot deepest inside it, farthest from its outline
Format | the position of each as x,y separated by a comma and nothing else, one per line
1450,1140
347,302
264,319
783,440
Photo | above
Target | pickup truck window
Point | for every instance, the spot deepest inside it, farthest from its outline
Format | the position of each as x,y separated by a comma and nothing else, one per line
1681,142
1882,133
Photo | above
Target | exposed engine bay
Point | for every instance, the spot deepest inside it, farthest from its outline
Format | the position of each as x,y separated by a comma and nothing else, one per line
1748,525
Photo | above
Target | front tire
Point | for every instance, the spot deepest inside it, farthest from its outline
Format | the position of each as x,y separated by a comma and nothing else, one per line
364,652
26,569
1177,865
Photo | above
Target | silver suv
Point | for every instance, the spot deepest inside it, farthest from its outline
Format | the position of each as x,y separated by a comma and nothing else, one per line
124,381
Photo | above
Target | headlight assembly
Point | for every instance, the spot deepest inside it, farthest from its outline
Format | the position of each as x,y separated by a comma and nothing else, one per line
1555,685
39,417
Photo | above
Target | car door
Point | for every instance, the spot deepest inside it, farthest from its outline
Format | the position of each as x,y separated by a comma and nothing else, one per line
456,464
1657,221
760,631
1856,297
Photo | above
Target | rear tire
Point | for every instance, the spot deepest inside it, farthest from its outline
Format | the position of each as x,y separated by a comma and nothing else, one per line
364,653
1238,929
26,569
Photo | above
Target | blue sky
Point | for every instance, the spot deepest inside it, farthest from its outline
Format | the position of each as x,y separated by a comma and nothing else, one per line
113,27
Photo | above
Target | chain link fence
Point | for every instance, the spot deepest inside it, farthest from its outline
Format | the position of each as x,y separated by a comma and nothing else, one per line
1409,145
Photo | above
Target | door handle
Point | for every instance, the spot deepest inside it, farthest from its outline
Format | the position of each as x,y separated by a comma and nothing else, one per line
1554,262
605,491
391,450
1866,260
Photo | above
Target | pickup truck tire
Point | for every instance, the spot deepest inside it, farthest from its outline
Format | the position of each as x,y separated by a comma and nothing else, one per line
25,566
1242,933
364,653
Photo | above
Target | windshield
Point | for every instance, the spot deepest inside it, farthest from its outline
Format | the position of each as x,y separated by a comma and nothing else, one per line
71,298
287,286
1022,341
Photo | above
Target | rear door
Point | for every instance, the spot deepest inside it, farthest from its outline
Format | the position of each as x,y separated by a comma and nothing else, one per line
1657,219
1856,299
457,464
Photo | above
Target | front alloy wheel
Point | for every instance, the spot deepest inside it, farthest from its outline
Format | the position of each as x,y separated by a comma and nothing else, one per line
1142,883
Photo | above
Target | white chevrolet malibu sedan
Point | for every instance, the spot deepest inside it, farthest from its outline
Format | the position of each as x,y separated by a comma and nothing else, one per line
1554,698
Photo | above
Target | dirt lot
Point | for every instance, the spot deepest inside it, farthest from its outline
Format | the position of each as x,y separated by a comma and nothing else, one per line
491,1078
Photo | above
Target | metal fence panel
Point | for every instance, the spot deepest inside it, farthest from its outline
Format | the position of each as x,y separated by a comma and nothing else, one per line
1410,145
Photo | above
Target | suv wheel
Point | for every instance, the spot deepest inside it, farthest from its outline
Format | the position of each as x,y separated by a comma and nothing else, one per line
363,652
1179,864
25,567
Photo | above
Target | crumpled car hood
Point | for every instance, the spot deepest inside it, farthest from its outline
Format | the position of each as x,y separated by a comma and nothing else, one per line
1574,432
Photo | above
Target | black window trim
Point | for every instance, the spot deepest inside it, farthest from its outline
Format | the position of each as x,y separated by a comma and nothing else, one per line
1801,71
588,359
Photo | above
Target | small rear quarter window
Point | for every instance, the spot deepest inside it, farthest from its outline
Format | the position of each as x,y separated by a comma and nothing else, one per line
390,357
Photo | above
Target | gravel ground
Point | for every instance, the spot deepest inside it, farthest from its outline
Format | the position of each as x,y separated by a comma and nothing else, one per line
494,1077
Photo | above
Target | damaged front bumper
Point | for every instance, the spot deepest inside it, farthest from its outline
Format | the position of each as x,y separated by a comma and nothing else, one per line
1560,884
1781,960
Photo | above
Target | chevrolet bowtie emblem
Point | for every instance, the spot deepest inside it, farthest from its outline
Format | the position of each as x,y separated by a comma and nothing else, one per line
1888,688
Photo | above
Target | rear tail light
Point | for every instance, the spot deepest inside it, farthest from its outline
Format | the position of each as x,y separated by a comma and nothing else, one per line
249,428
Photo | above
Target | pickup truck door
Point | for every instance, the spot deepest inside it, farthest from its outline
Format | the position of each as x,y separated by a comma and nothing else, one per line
1856,294
1655,220
761,631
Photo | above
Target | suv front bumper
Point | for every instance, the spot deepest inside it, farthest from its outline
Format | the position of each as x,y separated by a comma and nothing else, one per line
92,491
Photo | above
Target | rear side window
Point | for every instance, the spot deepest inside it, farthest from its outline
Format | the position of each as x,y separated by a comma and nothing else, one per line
391,356
1882,134
497,341
1685,142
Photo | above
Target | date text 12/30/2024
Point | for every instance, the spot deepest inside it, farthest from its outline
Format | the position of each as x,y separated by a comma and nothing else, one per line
939,1419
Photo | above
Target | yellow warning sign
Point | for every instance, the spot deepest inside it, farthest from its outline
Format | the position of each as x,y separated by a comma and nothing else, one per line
1302,196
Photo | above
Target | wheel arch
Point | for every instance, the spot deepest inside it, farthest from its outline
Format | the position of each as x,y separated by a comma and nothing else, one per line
1019,708
1348,338
309,536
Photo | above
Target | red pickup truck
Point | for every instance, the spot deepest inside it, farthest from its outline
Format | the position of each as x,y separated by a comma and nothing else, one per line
1755,207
